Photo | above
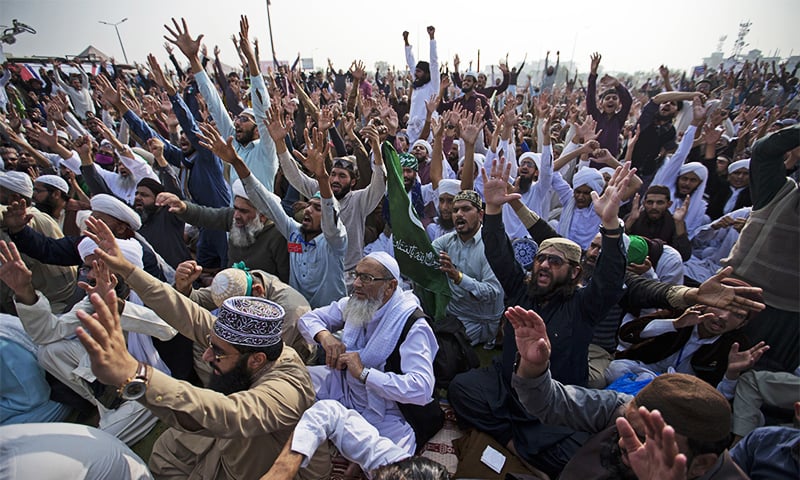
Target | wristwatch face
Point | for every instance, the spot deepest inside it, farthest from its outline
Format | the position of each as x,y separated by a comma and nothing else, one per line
134,390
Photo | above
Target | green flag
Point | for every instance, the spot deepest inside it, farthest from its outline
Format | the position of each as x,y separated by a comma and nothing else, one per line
412,247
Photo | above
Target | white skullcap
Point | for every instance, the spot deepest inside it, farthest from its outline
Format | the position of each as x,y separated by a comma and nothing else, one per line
72,164
694,167
62,134
131,249
248,111
425,145
537,159
449,186
738,165
17,182
590,177
471,73
105,143
238,190
231,282
109,205
387,261
54,181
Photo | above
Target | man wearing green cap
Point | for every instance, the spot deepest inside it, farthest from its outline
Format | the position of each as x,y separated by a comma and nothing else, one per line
655,259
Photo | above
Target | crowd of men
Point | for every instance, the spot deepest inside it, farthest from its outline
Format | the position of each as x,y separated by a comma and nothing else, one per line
233,254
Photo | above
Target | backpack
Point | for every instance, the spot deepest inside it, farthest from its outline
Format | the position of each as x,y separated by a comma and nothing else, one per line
426,419
455,353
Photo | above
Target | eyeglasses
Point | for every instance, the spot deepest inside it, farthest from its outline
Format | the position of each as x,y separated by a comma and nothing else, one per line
553,260
215,350
366,278
527,163
243,119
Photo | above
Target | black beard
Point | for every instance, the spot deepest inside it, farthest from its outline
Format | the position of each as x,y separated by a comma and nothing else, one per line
446,224
146,213
663,118
342,192
564,288
525,184
45,207
236,380
421,81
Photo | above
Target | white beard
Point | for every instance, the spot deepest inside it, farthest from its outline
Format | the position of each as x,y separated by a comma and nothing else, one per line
246,236
358,313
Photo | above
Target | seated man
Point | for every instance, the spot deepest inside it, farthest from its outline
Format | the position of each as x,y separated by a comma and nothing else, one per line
240,281
253,237
704,341
477,299
373,320
62,355
353,437
712,243
655,221
699,415
258,389
655,259
317,245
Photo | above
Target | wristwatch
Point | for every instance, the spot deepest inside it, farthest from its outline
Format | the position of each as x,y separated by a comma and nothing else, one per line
136,386
364,375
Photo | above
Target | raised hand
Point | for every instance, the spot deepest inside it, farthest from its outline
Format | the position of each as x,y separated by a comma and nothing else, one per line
699,111
185,274
317,152
694,315
275,124
533,343
108,250
607,205
680,212
16,217
159,77
101,336
586,130
183,40
212,140
471,126
105,281
595,62
713,292
14,272
658,457
171,201
711,135
495,187
109,94
739,362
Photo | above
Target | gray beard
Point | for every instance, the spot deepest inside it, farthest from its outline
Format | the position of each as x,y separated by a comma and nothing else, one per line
126,182
359,312
246,236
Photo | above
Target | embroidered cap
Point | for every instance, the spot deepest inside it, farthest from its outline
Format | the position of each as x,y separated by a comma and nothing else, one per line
471,196
250,322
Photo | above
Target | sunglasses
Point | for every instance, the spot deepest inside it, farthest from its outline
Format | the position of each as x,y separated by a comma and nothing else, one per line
553,260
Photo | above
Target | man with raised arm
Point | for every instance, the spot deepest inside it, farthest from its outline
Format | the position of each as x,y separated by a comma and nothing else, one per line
425,85
251,139
318,244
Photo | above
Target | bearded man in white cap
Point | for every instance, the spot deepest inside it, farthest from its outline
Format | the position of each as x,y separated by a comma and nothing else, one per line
259,387
730,195
51,196
56,282
358,372
253,237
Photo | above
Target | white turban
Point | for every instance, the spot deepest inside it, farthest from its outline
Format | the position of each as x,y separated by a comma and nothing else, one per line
17,182
607,170
425,145
537,159
131,250
694,167
738,165
109,205
54,181
238,190
449,187
387,261
590,177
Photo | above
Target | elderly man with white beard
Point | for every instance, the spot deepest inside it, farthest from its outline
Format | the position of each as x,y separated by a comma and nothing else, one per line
373,320
253,237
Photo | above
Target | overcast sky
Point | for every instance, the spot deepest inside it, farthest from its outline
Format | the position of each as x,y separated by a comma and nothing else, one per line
631,35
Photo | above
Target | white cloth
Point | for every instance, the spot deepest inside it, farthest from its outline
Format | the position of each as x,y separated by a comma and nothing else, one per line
110,205
126,188
54,181
709,246
670,266
53,451
417,110
17,182
354,437
537,198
